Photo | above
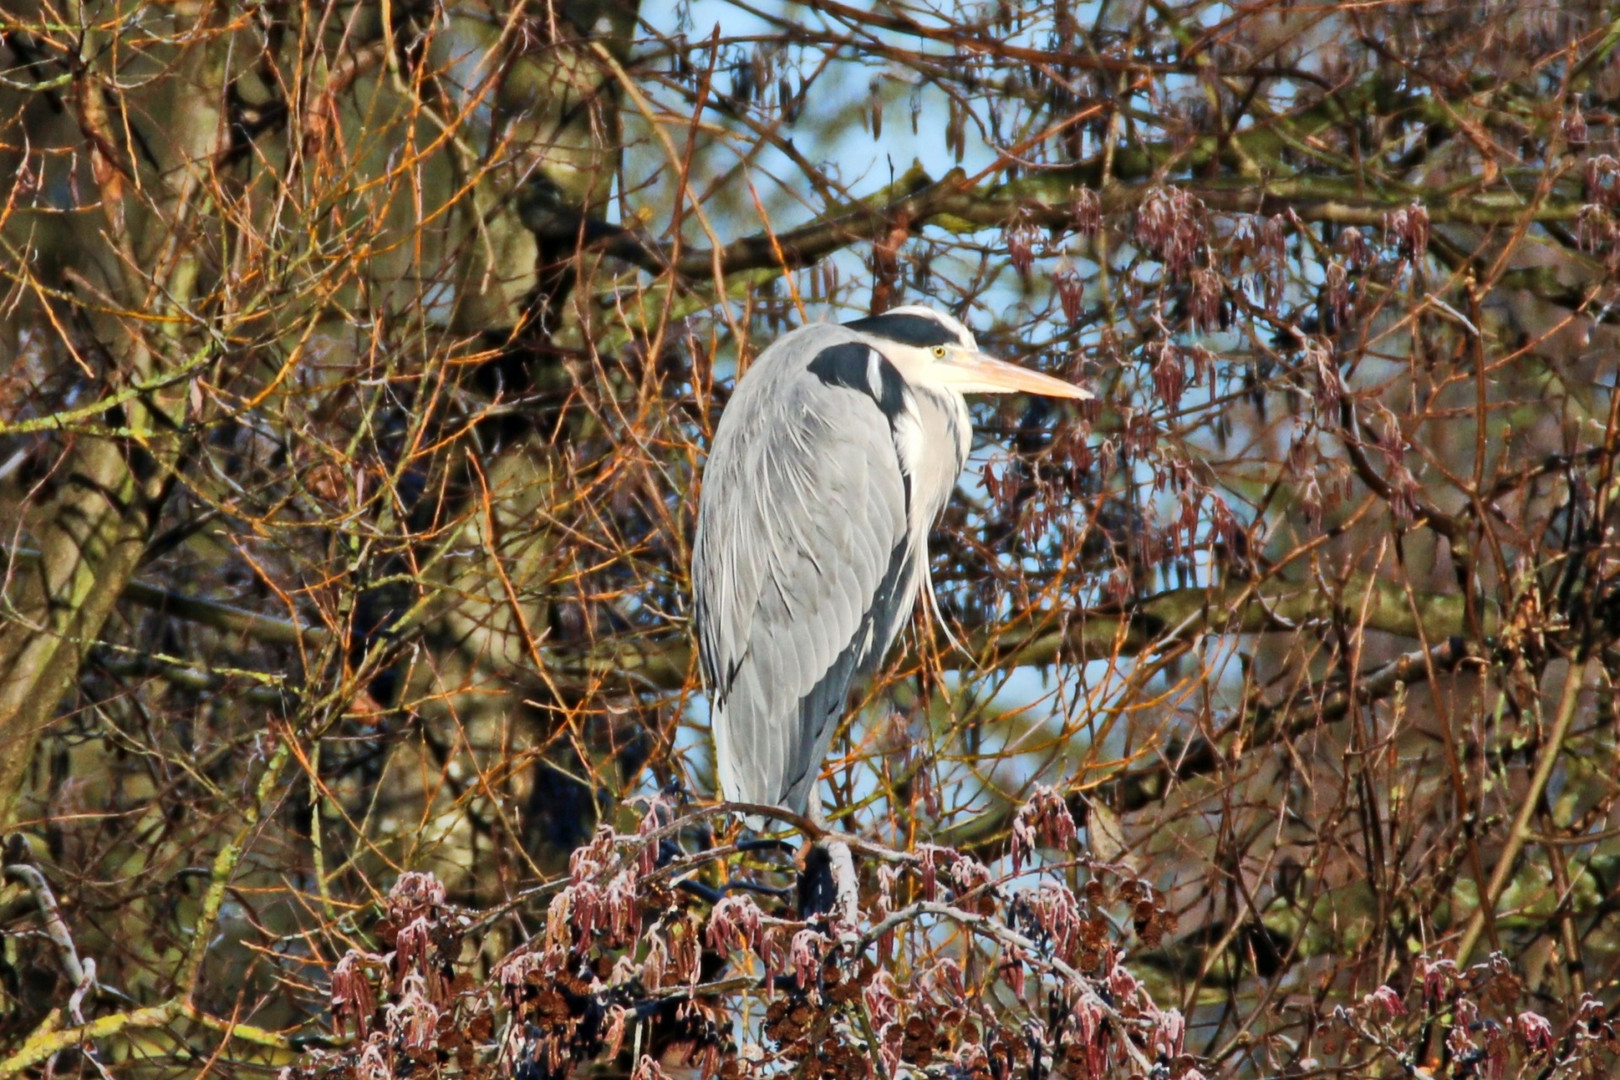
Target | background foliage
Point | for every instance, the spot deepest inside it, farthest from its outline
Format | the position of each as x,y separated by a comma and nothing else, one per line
358,364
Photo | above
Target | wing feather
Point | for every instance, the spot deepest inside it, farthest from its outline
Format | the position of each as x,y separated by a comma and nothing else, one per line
805,561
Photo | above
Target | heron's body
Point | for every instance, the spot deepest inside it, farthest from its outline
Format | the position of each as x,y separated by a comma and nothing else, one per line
833,459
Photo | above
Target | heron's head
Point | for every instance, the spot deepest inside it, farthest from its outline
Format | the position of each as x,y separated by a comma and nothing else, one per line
931,348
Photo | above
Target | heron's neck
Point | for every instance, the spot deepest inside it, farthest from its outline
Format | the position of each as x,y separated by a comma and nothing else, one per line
948,433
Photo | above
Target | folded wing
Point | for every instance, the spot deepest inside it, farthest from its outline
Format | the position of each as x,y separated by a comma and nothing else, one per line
805,566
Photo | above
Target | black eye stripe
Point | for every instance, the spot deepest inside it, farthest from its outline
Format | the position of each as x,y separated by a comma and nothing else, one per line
906,329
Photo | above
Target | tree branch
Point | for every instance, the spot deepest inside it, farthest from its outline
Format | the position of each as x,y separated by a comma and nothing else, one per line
1124,178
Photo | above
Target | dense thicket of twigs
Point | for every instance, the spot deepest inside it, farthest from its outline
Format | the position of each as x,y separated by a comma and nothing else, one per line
357,363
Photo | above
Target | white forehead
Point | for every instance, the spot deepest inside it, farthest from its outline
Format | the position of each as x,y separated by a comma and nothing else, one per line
950,322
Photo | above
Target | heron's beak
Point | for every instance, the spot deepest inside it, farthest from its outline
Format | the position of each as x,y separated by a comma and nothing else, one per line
980,373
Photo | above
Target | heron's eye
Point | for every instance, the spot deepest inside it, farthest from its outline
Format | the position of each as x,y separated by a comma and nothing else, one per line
939,352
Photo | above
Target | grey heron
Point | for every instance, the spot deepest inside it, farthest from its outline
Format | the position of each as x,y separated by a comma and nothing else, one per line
833,459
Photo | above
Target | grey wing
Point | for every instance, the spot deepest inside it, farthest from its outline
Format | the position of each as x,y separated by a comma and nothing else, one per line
804,568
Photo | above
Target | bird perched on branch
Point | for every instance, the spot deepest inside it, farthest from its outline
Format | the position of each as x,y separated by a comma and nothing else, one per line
832,461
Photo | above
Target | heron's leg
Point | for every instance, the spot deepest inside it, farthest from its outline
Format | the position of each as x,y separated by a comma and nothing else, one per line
827,881
812,812
846,886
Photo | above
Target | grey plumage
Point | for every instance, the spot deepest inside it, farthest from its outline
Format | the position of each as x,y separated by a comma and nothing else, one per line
833,459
